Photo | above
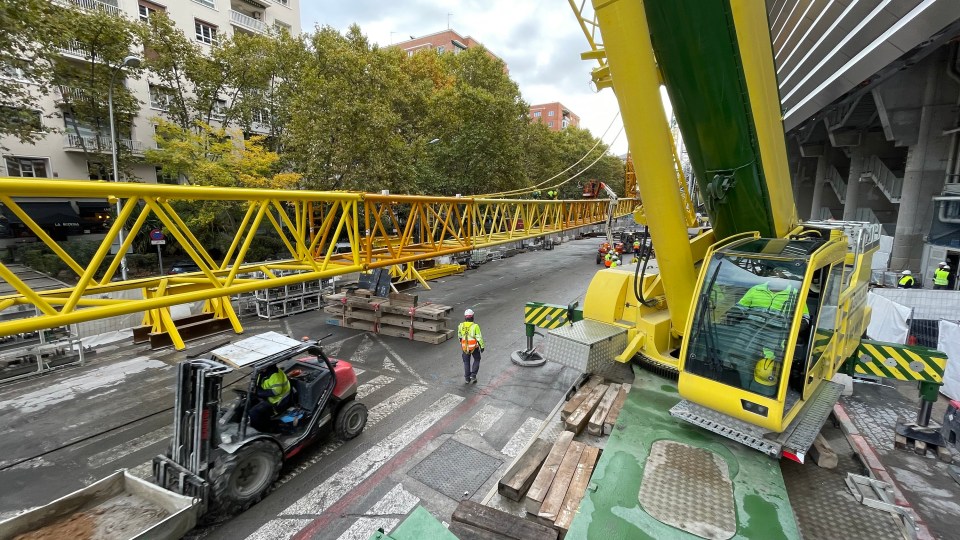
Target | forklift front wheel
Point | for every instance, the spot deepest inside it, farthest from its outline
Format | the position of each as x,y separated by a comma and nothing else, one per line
351,419
240,479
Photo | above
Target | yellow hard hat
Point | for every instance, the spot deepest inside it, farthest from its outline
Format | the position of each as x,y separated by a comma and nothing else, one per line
763,371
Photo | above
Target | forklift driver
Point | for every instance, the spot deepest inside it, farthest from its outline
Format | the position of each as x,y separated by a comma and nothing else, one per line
274,393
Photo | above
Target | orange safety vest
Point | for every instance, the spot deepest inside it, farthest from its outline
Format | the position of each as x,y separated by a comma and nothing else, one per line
470,337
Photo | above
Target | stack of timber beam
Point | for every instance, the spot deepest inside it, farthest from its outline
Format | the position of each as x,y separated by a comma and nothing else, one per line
551,479
398,315
474,521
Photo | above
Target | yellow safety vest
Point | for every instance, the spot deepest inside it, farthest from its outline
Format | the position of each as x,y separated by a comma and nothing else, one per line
470,336
941,277
906,281
279,384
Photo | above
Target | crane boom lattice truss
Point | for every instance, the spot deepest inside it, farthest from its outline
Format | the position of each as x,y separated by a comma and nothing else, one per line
382,231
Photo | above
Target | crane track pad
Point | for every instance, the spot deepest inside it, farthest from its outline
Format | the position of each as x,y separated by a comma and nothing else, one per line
689,488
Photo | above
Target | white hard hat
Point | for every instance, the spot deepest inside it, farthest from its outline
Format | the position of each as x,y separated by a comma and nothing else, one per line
906,272
946,267
468,313
943,264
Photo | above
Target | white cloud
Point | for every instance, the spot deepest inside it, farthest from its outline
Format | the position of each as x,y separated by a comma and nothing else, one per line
540,40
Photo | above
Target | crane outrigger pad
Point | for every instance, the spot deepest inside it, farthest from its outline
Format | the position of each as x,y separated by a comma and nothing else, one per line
612,506
795,441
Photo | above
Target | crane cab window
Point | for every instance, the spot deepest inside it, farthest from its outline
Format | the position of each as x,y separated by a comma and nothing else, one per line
742,322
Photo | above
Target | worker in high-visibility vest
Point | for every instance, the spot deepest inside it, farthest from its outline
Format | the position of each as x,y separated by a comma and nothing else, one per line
273,389
471,344
607,259
941,276
906,280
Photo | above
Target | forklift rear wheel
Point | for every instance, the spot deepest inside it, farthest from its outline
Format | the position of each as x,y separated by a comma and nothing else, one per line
242,478
351,419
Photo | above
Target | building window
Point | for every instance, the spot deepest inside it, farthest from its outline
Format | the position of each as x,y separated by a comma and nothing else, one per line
219,110
26,167
164,178
281,26
260,116
536,114
160,98
209,3
22,117
13,72
284,3
550,113
439,48
206,32
147,9
550,124
99,171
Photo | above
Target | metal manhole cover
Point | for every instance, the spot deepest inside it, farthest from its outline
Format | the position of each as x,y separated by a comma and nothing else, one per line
455,468
689,488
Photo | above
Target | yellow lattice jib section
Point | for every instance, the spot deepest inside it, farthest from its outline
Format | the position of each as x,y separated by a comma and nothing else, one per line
323,234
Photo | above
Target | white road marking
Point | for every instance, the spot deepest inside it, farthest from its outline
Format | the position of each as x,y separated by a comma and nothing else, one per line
482,420
521,437
322,497
32,464
134,445
279,529
400,361
360,355
96,379
358,371
374,416
388,365
373,385
397,502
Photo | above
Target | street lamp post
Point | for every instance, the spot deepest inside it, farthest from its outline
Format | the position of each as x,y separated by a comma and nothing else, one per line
133,62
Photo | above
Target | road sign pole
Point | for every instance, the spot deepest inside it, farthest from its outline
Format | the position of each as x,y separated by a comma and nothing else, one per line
160,259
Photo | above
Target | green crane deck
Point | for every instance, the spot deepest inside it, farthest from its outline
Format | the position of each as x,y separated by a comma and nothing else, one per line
657,469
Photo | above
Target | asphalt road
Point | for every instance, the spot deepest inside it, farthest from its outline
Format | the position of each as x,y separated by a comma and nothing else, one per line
430,439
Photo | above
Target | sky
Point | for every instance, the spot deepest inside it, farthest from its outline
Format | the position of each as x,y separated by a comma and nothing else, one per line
540,40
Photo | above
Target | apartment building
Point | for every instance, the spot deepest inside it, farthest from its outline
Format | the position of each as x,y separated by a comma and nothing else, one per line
61,155
444,41
555,115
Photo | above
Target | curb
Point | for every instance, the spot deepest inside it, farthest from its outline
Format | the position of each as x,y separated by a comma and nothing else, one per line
870,458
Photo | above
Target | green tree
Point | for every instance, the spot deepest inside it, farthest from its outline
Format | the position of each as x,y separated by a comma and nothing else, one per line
97,43
27,28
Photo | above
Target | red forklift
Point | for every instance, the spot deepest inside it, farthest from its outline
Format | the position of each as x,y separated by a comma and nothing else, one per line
216,456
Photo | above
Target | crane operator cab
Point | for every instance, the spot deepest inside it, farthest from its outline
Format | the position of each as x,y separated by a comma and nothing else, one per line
762,334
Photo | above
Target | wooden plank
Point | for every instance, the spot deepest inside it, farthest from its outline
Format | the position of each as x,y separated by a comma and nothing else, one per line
418,335
595,424
578,397
519,477
576,421
614,413
822,454
578,486
552,503
468,532
419,324
403,299
541,483
496,521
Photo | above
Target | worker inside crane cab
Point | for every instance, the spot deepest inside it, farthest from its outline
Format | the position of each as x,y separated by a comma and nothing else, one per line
753,318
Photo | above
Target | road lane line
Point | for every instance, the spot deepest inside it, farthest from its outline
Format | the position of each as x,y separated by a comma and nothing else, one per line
279,529
375,416
400,360
482,420
373,385
402,458
108,456
397,502
320,498
521,437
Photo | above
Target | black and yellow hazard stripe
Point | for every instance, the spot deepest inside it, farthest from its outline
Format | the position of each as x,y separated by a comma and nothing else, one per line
544,315
901,362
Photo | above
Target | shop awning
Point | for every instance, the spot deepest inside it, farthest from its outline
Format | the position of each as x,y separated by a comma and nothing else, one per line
55,214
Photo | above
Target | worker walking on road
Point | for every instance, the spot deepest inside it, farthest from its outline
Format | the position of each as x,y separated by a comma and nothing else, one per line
906,280
471,343
941,276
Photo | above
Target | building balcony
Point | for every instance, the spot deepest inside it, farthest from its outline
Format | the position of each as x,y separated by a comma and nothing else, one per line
69,94
107,7
101,144
247,22
75,49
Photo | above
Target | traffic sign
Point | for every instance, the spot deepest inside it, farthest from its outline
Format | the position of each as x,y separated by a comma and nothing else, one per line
157,238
